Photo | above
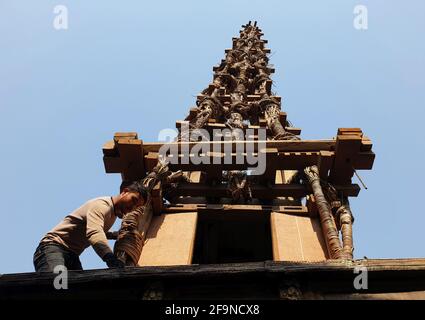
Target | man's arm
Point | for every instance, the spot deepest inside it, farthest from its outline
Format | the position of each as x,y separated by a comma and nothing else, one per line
95,233
97,237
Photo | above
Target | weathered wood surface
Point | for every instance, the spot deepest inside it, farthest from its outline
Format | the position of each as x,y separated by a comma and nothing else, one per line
297,238
287,267
388,279
303,145
258,191
170,240
236,208
133,158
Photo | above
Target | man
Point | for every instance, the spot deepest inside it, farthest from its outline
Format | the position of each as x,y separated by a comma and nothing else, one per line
87,226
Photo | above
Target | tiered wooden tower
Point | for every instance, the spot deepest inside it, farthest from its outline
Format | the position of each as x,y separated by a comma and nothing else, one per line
218,210
218,224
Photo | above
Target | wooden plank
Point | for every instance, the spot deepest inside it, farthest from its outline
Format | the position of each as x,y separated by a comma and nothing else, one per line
262,122
366,144
109,149
269,84
350,131
297,238
213,175
279,177
265,50
131,156
240,161
151,159
211,126
346,151
282,118
286,160
271,157
325,163
224,98
293,210
125,135
170,240
113,164
364,160
302,145
296,160
195,176
236,208
296,131
312,206
181,123
401,269
157,200
255,280
216,125
259,191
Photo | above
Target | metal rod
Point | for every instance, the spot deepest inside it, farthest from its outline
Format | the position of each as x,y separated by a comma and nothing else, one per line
360,179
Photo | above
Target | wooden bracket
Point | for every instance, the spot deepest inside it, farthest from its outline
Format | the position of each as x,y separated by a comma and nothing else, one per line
347,150
124,155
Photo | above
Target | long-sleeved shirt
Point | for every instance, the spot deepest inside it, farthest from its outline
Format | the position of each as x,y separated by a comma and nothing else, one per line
85,226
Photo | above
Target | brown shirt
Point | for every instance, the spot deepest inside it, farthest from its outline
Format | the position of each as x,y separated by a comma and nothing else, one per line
85,226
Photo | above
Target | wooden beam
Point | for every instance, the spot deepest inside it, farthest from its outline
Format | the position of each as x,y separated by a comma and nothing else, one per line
350,131
210,126
265,50
364,160
170,240
281,145
325,163
113,164
258,191
346,150
272,161
296,131
366,144
297,238
249,98
236,208
312,206
133,158
282,118
151,159
157,200
131,155
125,135
109,149
239,161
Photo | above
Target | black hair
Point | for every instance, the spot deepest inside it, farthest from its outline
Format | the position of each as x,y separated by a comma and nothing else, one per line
135,186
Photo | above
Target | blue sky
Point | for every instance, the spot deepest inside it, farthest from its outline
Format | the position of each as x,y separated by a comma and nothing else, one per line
137,66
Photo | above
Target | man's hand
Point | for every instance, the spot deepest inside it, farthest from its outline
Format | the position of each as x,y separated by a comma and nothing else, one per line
112,261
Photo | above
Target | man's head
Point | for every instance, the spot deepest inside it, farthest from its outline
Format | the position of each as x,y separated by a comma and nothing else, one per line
132,195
